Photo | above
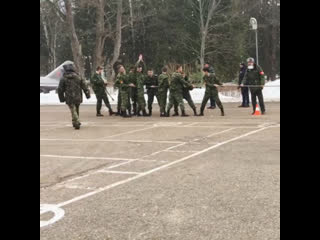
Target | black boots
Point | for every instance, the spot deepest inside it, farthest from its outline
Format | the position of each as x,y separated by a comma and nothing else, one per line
99,114
195,112
184,114
222,112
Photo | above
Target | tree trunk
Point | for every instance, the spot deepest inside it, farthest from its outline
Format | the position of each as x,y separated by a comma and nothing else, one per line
75,44
132,28
100,35
117,42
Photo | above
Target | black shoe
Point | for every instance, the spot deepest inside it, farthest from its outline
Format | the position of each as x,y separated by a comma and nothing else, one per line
144,113
125,115
246,106
195,112
176,114
77,126
263,113
184,114
118,114
162,115
241,106
99,115
111,113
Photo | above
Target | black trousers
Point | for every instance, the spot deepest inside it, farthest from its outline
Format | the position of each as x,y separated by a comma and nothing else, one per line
257,92
245,96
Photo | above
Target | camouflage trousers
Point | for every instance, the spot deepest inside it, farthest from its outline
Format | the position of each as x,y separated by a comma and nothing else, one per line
141,100
175,97
125,101
74,109
163,95
187,96
214,95
105,99
134,98
151,95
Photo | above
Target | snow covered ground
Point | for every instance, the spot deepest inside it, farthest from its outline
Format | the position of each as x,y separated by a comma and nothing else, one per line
271,93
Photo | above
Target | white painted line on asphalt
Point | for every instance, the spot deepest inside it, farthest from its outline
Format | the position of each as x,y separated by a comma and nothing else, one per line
119,172
106,140
65,203
80,157
126,133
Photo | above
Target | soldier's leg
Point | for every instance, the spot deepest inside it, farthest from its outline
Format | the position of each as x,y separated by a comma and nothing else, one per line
150,101
161,96
129,106
124,103
204,103
179,98
170,104
261,101
134,99
191,104
78,110
142,104
253,99
108,105
218,102
119,103
176,108
246,97
74,115
99,104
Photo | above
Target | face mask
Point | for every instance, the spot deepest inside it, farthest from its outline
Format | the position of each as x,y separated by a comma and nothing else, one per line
250,67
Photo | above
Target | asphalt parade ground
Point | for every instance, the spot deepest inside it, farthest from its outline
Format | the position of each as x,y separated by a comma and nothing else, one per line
194,178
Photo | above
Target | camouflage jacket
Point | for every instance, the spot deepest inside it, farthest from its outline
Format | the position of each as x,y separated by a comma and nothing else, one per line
163,81
98,84
210,81
71,87
254,76
122,82
177,83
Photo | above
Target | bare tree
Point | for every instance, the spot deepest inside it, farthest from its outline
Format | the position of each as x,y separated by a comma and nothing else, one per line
117,41
50,24
75,44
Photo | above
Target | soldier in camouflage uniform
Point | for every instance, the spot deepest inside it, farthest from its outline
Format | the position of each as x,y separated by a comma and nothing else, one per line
176,90
99,88
70,91
211,83
152,89
163,81
186,95
133,90
255,76
124,86
140,80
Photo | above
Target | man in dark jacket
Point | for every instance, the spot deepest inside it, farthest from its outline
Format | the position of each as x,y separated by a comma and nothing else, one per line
212,101
244,90
255,78
70,91
99,88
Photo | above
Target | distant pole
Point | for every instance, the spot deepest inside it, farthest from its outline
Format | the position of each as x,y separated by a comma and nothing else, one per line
254,24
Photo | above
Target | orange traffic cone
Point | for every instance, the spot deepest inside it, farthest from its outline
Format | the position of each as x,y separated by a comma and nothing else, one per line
257,112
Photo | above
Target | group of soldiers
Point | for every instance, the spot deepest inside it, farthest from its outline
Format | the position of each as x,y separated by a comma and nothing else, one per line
131,86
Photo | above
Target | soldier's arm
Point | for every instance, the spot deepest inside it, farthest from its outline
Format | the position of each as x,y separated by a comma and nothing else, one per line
245,79
61,90
184,82
85,88
217,81
262,77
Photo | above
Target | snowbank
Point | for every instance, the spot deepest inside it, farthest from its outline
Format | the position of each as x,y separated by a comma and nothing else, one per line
271,93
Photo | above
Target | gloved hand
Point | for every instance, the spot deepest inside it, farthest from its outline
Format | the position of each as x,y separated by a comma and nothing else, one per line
88,95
